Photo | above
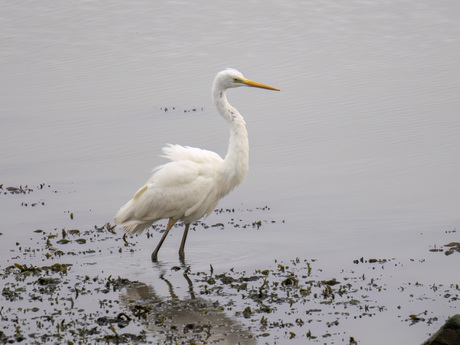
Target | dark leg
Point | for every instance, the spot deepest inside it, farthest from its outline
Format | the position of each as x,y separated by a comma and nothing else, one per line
168,227
182,245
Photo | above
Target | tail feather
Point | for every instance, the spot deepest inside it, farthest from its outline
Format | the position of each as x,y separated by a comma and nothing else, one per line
135,227
126,219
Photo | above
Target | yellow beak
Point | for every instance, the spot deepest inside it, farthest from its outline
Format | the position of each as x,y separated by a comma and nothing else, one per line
260,85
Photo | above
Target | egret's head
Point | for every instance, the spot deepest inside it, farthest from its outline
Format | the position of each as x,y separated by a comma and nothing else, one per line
232,78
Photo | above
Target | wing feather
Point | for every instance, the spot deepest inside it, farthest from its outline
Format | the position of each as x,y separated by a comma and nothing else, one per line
178,153
183,189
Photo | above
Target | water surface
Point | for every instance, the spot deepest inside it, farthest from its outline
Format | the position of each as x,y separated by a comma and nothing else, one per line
356,156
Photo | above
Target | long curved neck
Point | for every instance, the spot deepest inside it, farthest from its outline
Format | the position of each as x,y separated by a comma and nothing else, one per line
236,162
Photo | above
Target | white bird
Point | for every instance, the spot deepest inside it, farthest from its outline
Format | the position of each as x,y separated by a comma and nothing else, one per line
192,183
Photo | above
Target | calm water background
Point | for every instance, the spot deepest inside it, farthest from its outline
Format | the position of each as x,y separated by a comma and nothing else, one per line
358,154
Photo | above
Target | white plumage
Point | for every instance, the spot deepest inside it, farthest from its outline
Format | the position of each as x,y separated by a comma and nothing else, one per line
192,183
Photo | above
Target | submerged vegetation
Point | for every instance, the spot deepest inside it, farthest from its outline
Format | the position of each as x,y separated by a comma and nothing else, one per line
54,292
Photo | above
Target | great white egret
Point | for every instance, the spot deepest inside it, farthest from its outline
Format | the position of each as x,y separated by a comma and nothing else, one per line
190,186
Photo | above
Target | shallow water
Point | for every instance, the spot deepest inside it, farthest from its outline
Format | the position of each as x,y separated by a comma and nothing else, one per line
357,156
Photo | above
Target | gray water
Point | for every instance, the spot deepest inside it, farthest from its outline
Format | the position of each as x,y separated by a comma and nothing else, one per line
356,156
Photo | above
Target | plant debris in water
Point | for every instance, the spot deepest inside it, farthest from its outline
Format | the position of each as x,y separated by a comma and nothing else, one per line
55,302
449,248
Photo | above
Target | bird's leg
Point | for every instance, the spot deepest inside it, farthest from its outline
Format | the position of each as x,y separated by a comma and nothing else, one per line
184,238
168,227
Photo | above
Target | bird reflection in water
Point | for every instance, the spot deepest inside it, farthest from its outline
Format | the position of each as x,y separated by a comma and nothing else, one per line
191,319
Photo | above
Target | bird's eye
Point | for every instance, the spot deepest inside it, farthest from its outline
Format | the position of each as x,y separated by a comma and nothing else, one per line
235,80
